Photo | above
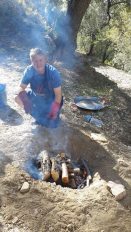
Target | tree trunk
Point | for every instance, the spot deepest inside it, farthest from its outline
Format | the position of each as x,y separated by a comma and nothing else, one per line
93,38
105,55
90,52
76,10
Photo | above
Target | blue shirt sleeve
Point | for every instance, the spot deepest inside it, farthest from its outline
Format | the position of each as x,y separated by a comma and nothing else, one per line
28,73
56,79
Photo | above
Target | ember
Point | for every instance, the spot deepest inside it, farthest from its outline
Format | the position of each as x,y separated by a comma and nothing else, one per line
59,168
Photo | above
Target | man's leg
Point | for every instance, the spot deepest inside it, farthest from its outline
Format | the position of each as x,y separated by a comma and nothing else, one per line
53,123
40,111
19,101
23,101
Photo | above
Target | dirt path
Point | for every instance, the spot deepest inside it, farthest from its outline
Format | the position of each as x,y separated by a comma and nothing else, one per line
122,79
47,207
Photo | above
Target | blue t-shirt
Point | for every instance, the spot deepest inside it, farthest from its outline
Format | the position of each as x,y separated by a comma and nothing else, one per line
42,84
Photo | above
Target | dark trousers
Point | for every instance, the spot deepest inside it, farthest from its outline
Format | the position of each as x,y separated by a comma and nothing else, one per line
41,107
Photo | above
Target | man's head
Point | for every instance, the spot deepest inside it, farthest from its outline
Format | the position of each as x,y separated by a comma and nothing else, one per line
38,59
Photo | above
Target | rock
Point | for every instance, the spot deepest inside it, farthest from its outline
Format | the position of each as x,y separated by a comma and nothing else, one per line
16,164
36,213
9,217
70,227
51,229
15,229
98,137
117,190
122,163
98,183
25,187
73,107
96,176
15,220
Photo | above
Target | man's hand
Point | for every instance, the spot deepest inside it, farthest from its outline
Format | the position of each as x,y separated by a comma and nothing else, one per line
26,101
54,110
56,105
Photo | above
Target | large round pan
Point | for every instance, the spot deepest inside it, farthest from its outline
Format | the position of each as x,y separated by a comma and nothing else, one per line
89,103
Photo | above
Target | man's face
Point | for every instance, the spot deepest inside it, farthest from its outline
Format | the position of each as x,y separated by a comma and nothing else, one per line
38,62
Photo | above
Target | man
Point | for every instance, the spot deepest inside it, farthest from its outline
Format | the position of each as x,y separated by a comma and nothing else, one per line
44,101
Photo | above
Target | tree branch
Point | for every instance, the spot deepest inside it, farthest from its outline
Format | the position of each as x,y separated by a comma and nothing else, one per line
108,10
110,4
116,3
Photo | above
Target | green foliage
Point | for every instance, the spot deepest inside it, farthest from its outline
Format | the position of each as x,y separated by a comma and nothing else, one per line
120,34
110,41
91,25
107,40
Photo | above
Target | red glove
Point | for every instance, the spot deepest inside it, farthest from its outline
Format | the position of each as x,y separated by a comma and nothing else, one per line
26,101
54,110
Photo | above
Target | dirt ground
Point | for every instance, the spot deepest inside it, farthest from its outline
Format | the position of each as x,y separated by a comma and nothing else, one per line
47,207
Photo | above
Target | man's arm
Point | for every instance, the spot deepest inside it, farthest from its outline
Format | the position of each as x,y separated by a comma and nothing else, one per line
22,97
58,94
22,88
56,105
17,98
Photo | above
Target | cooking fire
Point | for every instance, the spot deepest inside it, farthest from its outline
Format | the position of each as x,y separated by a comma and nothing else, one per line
61,169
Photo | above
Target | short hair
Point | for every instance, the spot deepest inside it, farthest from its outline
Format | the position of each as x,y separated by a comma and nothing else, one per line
36,51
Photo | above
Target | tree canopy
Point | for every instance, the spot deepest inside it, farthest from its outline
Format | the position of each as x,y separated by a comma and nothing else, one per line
105,33
101,28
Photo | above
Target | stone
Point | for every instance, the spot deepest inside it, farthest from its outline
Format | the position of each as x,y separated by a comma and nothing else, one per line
70,227
98,183
73,107
16,164
96,176
25,187
15,220
117,190
122,163
9,217
15,230
98,137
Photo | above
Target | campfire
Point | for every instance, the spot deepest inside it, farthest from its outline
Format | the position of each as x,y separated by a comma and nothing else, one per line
61,169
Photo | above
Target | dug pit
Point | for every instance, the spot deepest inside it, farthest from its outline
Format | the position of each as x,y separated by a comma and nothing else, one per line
58,167
68,157
33,205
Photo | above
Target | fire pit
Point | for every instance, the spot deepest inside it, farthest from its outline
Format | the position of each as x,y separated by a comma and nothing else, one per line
60,168
68,157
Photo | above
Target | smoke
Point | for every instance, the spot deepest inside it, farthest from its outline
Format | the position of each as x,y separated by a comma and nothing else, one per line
47,26
43,24
56,34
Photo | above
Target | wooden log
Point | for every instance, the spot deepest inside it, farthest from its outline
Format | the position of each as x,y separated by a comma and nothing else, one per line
89,177
55,169
62,157
74,170
45,164
72,183
65,177
71,174
82,184
78,180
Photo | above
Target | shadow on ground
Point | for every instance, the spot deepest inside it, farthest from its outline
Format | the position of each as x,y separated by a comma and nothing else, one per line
116,118
10,116
4,160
